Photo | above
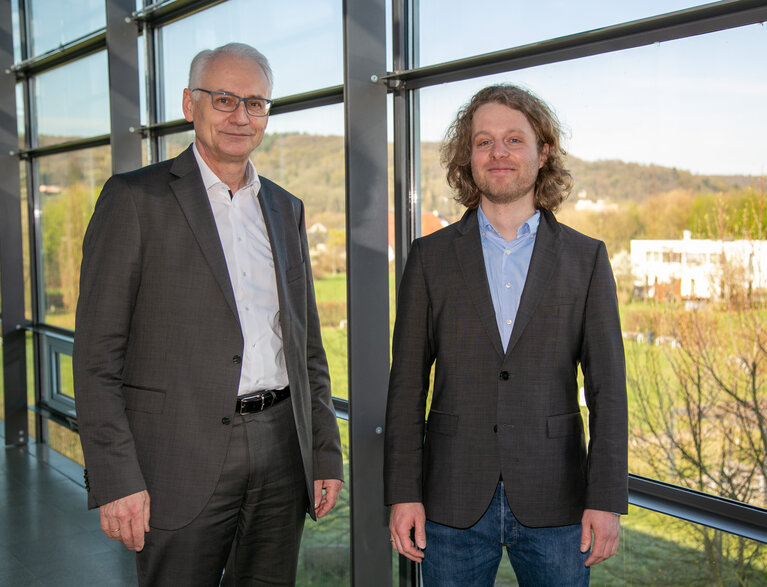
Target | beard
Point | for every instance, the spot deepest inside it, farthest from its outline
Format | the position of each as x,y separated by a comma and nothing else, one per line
508,191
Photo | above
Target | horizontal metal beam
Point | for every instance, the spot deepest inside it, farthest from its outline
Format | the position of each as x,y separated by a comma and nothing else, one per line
667,27
80,47
161,13
700,508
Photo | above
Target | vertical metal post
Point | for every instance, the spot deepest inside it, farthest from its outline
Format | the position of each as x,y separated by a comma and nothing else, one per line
11,257
124,107
367,283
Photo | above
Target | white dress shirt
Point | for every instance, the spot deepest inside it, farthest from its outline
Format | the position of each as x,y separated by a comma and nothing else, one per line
242,230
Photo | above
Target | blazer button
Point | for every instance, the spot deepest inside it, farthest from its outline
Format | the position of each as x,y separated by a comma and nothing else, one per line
226,421
236,359
495,428
504,376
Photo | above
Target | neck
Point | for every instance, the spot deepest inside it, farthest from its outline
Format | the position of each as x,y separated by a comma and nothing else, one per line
232,173
507,218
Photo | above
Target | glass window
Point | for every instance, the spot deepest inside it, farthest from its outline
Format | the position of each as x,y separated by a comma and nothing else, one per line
305,50
20,120
325,557
72,101
448,30
16,31
25,231
69,185
665,139
51,26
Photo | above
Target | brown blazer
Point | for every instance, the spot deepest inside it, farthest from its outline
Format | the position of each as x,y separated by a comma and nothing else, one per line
512,414
158,343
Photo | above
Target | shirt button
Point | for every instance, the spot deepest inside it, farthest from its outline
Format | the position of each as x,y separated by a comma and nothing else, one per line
508,285
507,252
508,321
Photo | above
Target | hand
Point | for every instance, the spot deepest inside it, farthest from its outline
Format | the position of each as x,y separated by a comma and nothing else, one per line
127,519
326,492
403,518
606,529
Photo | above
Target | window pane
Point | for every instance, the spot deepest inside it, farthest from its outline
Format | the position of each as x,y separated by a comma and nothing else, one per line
69,185
51,25
313,32
16,31
666,150
492,25
72,101
20,120
25,230
325,556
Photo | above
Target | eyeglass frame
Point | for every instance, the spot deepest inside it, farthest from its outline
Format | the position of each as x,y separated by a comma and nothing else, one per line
267,102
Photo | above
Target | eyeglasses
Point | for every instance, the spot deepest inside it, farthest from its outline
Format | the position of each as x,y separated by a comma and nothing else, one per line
226,102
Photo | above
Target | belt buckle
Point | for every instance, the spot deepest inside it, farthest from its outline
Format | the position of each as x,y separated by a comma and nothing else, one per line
264,396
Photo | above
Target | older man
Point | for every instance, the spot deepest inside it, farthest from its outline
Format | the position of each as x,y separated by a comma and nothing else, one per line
201,383
507,303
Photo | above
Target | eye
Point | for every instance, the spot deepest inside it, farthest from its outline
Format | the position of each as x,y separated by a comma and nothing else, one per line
224,100
256,105
483,144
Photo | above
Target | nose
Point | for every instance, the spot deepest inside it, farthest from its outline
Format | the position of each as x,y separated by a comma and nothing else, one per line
240,115
499,150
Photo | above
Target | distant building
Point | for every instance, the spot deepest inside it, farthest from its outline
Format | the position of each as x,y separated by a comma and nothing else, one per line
697,269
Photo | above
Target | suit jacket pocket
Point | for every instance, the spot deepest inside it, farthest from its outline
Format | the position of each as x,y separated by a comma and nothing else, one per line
442,423
564,425
143,399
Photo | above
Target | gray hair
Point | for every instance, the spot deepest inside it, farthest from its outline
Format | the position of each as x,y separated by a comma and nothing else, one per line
238,50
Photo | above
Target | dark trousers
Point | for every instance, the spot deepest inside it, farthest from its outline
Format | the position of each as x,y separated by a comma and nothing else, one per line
253,521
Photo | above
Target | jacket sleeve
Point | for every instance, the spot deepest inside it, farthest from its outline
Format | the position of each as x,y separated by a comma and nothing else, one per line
110,276
326,443
412,358
603,365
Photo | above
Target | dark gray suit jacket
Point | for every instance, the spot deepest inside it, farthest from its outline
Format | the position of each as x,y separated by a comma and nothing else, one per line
158,343
514,414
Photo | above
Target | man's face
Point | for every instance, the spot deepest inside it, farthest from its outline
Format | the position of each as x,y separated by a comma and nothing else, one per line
504,154
225,138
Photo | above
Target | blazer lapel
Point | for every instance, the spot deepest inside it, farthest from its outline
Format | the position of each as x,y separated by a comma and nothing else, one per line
193,200
276,232
471,260
543,263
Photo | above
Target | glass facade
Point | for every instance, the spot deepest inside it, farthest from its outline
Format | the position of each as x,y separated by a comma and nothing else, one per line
664,142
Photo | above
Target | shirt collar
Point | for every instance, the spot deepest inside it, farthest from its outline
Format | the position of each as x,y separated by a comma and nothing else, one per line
529,226
210,179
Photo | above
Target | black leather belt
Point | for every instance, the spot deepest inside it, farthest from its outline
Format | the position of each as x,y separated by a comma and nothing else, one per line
260,401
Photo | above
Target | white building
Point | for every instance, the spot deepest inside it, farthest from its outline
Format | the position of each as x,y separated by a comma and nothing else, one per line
697,269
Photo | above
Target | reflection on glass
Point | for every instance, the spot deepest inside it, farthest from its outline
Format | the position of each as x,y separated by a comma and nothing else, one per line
72,101
20,120
25,229
648,170
51,25
16,31
325,555
69,185
314,29
493,25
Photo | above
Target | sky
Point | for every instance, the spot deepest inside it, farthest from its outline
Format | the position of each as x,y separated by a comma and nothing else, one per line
695,104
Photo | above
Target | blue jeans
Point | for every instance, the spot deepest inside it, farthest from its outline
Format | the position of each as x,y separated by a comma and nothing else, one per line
470,557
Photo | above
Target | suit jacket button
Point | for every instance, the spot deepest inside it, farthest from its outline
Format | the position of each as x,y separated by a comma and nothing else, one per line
226,421
504,376
495,428
236,359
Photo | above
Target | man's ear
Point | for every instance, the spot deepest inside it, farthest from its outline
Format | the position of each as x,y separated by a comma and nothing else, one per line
543,156
187,103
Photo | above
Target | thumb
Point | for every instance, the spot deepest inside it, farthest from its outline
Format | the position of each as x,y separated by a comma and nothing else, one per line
585,538
420,535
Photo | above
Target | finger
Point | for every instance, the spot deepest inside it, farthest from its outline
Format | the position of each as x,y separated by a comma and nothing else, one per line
585,538
420,534
317,496
406,546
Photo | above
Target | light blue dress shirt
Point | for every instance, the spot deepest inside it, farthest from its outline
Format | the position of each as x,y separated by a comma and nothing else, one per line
506,263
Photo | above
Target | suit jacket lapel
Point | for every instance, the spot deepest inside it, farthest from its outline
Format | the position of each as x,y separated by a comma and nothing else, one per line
543,263
471,260
193,200
276,232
